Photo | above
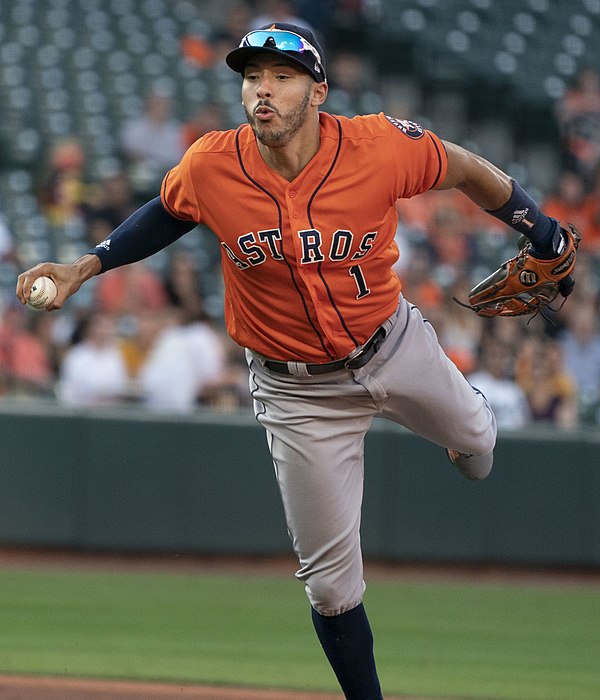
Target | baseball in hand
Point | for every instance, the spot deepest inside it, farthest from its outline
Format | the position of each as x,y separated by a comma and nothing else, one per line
43,292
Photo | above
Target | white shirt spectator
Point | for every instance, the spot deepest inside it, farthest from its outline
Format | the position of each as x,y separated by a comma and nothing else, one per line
154,139
184,361
6,241
581,351
93,372
494,381
505,397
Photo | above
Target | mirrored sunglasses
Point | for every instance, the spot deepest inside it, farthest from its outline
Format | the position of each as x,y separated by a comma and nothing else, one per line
279,39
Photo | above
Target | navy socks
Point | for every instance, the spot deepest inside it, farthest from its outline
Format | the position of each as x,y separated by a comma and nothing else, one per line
348,644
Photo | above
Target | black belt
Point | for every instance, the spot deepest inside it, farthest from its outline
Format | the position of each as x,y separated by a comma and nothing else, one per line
354,360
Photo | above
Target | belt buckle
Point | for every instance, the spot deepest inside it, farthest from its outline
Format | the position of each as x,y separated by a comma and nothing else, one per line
354,355
374,343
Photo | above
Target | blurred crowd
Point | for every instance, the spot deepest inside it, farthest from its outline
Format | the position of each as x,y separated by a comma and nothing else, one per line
150,335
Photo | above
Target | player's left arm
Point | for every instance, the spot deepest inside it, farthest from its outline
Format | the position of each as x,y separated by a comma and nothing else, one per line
544,266
502,197
482,182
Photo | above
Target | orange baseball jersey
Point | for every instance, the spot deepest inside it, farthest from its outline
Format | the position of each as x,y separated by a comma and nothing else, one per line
307,264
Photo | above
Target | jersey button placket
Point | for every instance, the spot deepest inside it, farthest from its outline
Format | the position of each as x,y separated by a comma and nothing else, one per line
292,194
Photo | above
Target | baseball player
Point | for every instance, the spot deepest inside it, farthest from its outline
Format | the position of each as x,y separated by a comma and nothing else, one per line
303,205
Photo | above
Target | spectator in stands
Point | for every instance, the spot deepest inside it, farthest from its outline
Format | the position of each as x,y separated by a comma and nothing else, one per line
226,36
93,371
419,286
152,143
450,238
47,329
578,115
8,252
550,391
63,189
229,391
352,85
571,203
494,379
186,359
25,362
129,289
567,202
138,343
183,286
581,348
458,329
277,11
511,335
420,212
113,201
586,293
592,207
208,117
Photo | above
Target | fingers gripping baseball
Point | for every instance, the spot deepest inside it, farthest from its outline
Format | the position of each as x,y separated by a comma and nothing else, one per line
62,276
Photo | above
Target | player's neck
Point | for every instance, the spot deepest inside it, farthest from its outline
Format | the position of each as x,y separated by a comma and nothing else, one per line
291,159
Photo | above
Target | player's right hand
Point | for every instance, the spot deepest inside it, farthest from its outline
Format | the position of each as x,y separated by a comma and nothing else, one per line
60,275
67,278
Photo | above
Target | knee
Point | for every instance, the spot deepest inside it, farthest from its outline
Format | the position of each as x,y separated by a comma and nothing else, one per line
329,596
473,467
481,468
480,443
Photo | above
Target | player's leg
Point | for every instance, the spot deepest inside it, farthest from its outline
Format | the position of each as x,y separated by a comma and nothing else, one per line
316,435
348,644
419,387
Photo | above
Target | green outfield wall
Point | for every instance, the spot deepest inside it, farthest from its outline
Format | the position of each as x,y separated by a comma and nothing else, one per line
126,480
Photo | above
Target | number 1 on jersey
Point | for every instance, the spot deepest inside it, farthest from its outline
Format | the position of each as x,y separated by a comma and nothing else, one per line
359,278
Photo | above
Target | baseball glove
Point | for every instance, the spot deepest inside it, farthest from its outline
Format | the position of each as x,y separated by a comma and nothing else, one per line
526,284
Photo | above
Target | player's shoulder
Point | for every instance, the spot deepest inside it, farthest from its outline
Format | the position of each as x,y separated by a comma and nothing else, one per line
217,142
360,126
372,126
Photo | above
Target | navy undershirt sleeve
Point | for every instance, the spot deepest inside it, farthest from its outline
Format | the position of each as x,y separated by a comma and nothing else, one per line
523,214
148,230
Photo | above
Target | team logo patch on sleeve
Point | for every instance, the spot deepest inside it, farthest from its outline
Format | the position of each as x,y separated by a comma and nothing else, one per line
411,129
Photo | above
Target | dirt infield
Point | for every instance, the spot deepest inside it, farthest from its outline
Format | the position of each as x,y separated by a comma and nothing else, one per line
29,688
287,565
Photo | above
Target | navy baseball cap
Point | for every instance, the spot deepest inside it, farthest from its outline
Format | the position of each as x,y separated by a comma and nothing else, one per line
298,44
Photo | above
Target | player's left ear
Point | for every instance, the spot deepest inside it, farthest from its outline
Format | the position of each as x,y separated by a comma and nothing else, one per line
319,94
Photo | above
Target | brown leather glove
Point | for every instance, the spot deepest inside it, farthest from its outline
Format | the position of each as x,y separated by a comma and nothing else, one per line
525,284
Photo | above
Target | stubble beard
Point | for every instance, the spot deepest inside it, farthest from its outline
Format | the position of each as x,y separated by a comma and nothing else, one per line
293,122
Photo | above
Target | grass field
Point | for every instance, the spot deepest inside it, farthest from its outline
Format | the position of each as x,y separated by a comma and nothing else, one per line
433,639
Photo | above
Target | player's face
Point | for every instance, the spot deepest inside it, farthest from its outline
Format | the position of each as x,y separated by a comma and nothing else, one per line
276,97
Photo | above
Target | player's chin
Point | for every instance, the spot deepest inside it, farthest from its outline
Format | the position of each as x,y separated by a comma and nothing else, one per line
271,137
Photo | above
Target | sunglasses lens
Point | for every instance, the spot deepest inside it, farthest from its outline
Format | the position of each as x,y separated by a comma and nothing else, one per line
283,41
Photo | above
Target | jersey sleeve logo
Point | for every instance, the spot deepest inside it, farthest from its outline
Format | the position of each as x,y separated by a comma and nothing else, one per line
411,129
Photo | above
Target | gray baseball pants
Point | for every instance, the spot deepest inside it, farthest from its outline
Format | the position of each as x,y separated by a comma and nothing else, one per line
316,427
